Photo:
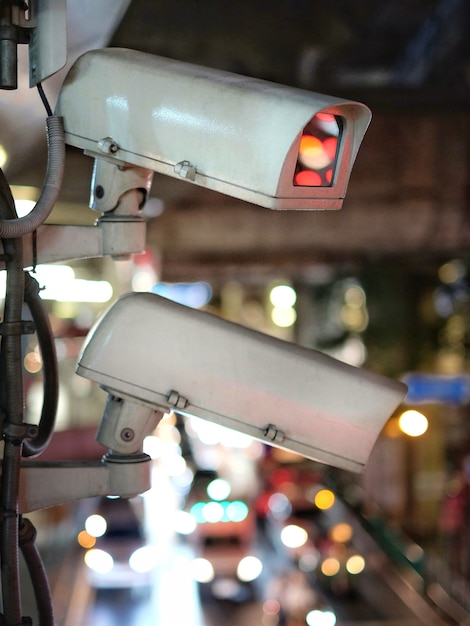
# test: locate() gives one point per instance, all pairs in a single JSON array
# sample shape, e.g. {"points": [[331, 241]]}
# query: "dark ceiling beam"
{"points": [[228, 239]]}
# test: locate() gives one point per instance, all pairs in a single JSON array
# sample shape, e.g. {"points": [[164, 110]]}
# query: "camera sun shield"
{"points": [[272, 145]]}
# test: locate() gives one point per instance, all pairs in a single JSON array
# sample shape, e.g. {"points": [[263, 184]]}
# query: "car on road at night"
{"points": [[117, 554]]}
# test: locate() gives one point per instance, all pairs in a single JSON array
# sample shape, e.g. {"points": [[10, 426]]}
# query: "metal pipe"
{"points": [[8, 50], [13, 409]]}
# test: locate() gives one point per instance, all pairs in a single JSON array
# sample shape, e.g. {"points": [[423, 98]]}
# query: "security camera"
{"points": [[271, 145], [153, 355]]}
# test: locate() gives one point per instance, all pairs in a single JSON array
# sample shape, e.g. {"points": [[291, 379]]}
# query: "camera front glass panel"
{"points": [[318, 151]]}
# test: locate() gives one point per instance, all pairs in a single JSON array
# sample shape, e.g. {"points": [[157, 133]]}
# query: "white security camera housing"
{"points": [[271, 145], [153, 354]]}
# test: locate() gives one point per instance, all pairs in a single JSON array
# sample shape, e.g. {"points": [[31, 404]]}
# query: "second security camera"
{"points": [[153, 355], [271, 145]]}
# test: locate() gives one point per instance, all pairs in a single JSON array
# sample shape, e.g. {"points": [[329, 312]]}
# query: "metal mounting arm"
{"points": [[44, 484], [117, 237]]}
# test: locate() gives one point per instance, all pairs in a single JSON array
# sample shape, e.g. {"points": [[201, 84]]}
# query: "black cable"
{"points": [[37, 572], [44, 99], [33, 447]]}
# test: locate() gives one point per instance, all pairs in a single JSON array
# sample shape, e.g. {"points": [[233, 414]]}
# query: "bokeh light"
{"points": [[96, 525], [99, 561], [293, 536], [330, 566], [218, 489], [341, 532], [202, 570], [320, 618], [249, 568], [283, 296], [355, 564], [85, 540], [413, 423], [324, 499]]}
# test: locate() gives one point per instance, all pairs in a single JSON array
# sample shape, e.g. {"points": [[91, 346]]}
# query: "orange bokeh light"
{"points": [[86, 540]]}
